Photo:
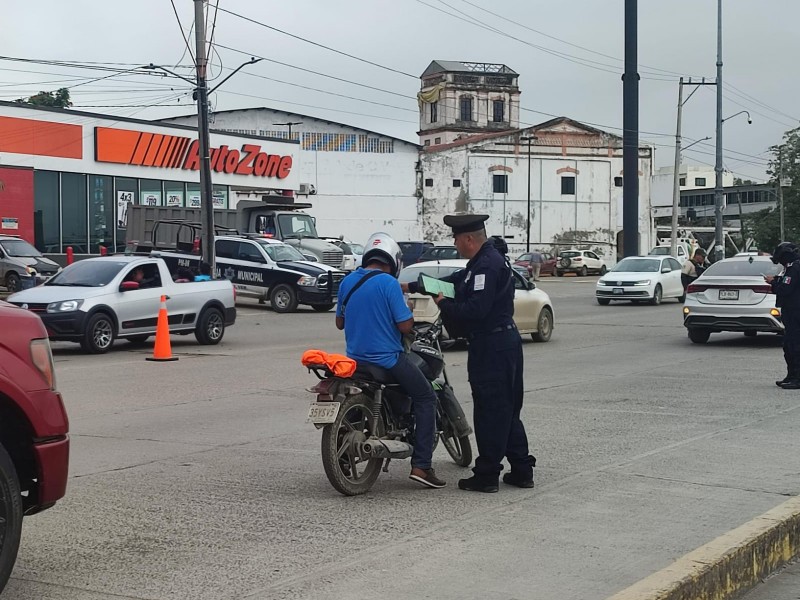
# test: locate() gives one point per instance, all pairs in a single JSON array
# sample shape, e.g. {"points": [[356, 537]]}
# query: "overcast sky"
{"points": [[676, 37]]}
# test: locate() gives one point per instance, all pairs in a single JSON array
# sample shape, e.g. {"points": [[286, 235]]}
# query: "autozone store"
{"points": [[67, 177]]}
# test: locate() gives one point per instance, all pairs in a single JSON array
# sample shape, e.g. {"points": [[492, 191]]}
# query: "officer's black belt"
{"points": [[500, 329]]}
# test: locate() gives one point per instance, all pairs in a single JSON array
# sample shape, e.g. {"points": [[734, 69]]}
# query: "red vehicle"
{"points": [[34, 445], [548, 263]]}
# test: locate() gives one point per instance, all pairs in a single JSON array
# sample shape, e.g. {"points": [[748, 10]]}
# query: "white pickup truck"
{"points": [[97, 300]]}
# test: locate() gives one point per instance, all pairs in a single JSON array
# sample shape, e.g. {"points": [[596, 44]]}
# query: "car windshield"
{"points": [[660, 251], [637, 265], [438, 271], [743, 268], [88, 273], [570, 254], [20, 248], [357, 248], [280, 252], [295, 226]]}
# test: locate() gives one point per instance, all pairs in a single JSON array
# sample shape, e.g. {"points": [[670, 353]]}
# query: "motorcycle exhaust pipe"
{"points": [[376, 448]]}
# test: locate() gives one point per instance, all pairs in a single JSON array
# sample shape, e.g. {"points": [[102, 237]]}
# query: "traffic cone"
{"points": [[162, 350]]}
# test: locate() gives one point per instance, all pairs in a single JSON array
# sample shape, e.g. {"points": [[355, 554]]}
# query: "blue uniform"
{"points": [[787, 297], [483, 311]]}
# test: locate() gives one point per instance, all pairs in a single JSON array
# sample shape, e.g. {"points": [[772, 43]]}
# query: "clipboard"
{"points": [[434, 287]]}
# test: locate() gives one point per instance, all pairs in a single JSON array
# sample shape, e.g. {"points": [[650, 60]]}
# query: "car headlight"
{"points": [[30, 271], [65, 306], [307, 281], [643, 282]]}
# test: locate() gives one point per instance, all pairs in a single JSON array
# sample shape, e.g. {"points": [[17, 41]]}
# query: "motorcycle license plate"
{"points": [[323, 412]]}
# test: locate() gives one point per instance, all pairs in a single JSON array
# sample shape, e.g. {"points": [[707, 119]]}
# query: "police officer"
{"points": [[786, 288], [482, 311]]}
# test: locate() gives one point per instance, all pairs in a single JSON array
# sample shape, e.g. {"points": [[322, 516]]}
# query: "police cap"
{"points": [[465, 223]]}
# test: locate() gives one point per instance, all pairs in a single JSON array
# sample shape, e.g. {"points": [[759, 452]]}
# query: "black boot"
{"points": [[793, 382], [789, 371]]}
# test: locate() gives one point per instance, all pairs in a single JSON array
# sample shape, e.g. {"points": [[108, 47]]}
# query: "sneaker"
{"points": [[427, 477], [512, 479], [473, 484]]}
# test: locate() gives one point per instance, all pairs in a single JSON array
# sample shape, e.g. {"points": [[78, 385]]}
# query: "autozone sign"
{"points": [[141, 148]]}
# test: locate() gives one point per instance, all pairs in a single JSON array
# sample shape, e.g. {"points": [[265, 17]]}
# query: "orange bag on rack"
{"points": [[338, 364]]}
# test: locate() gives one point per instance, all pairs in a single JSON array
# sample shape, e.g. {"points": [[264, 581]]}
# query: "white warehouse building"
{"points": [[357, 181]]}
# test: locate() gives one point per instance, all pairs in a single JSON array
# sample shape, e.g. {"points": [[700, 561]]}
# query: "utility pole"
{"points": [[719, 241], [206, 189], [630, 135], [676, 182], [780, 188]]}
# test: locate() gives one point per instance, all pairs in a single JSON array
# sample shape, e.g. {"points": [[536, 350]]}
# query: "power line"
{"points": [[313, 43], [183, 34], [563, 41], [757, 101]]}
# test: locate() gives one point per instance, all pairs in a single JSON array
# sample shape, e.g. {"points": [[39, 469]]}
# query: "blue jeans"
{"points": [[423, 399]]}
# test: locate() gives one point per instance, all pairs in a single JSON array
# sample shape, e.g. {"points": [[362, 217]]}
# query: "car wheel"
{"points": [[322, 307], [210, 327], [583, 272], [283, 299], [603, 270], [10, 516], [603, 301], [544, 326], [98, 337], [13, 283], [699, 336], [682, 298], [656, 299], [750, 333]]}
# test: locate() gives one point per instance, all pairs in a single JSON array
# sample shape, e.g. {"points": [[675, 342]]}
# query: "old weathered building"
{"points": [[564, 187]]}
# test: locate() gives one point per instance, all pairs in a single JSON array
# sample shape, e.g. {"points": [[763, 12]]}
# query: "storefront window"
{"points": [[151, 192], [193, 195], [101, 213], [127, 192], [74, 222], [174, 193], [220, 196], [46, 231]]}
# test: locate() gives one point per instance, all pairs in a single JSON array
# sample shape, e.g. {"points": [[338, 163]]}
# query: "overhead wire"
{"points": [[183, 34]]}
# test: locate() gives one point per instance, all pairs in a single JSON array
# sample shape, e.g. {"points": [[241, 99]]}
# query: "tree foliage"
{"points": [[57, 99], [764, 226]]}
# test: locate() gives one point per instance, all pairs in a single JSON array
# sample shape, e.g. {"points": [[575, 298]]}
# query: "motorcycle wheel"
{"points": [[348, 473], [459, 448]]}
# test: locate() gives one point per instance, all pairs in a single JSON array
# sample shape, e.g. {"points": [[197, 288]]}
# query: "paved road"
{"points": [[200, 479]]}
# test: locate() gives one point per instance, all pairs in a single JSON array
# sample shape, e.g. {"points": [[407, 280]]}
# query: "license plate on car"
{"points": [[618, 291], [729, 294], [323, 412]]}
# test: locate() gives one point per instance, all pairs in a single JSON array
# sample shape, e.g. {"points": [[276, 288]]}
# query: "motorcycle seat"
{"points": [[374, 373]]}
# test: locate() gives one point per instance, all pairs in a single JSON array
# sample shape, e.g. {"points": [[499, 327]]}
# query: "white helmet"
{"points": [[381, 247]]}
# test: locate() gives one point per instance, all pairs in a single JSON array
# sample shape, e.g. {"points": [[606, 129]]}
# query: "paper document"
{"points": [[434, 287]]}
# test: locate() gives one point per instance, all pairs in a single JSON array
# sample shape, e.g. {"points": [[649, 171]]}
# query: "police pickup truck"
{"points": [[267, 269]]}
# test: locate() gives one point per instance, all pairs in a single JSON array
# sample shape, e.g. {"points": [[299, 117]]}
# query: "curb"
{"points": [[732, 563]]}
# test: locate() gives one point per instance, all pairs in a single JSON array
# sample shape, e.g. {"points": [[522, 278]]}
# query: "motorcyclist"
{"points": [[374, 316], [786, 288]]}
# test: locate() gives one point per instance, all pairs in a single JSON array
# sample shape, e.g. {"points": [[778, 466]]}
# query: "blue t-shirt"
{"points": [[370, 318]]}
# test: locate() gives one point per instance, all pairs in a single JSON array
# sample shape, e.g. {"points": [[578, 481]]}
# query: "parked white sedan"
{"points": [[533, 310], [642, 279]]}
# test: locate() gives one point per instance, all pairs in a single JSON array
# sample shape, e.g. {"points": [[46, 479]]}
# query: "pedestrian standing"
{"points": [[482, 311], [536, 265], [786, 288]]}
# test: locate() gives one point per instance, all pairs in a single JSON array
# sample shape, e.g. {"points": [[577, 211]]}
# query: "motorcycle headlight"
{"points": [[643, 282], [65, 306], [307, 281]]}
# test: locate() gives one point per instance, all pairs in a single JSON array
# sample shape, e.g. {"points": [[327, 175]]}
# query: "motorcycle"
{"points": [[367, 421]]}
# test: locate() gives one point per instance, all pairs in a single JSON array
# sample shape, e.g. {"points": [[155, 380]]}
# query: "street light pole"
{"points": [[780, 188], [289, 124], [676, 188], [529, 139], [719, 242]]}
